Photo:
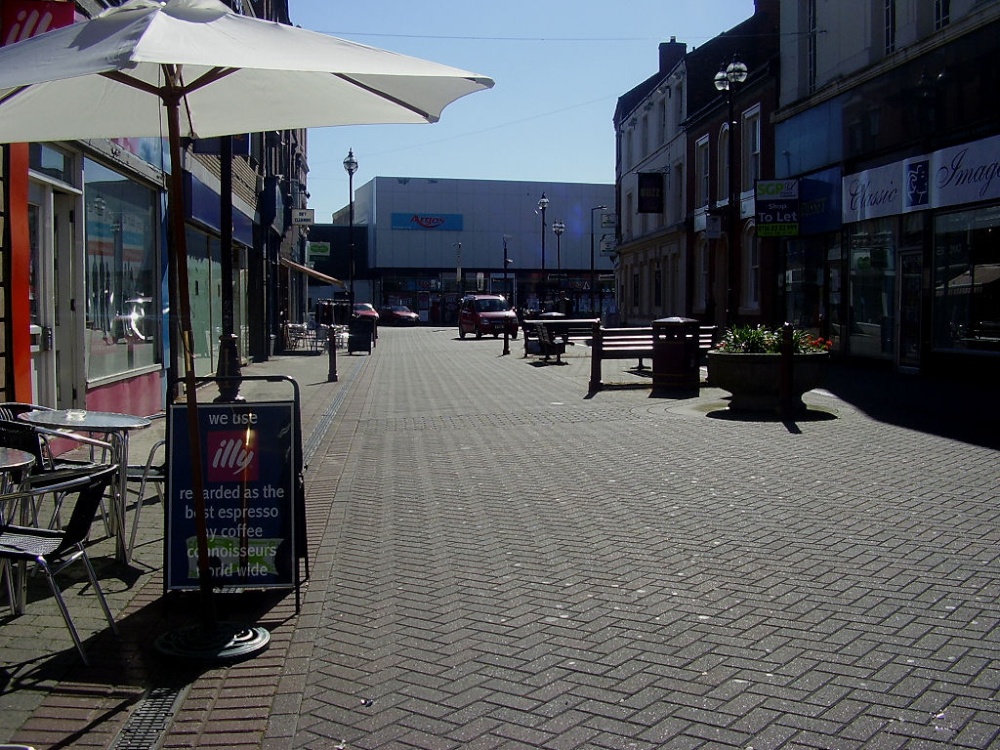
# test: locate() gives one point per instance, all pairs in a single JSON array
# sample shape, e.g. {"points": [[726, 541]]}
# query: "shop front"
{"points": [[923, 263]]}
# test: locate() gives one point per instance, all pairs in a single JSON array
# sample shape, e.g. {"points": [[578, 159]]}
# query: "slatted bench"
{"points": [[565, 331], [632, 343]]}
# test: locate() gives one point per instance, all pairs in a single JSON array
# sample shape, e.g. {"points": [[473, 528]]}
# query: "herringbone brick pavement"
{"points": [[514, 565]]}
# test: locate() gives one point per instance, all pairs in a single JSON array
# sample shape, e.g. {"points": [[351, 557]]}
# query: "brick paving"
{"points": [[498, 560]]}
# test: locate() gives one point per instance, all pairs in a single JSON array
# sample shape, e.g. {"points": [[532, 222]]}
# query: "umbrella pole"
{"points": [[211, 640]]}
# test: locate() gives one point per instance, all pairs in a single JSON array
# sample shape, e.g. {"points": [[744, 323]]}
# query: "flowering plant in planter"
{"points": [[758, 339], [748, 364]]}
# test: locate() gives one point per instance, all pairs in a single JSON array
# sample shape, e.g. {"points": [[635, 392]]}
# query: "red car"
{"points": [[398, 315], [486, 314], [365, 310]]}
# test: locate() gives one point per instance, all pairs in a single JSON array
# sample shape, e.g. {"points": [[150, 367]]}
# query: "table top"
{"points": [[12, 458], [89, 421]]}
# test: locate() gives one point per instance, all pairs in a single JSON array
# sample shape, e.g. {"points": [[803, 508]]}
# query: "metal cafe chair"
{"points": [[54, 550], [153, 471], [47, 469]]}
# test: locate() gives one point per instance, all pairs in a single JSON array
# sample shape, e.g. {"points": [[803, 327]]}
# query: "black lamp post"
{"points": [[543, 203], [726, 80], [351, 165], [593, 278]]}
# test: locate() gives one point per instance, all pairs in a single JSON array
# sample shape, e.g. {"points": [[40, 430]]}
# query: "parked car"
{"points": [[398, 315], [366, 310], [484, 314]]}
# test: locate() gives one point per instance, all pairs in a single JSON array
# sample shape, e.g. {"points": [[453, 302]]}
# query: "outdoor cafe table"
{"points": [[13, 460], [117, 428]]}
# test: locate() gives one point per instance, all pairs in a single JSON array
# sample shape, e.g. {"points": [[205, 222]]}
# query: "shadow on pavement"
{"points": [[935, 405]]}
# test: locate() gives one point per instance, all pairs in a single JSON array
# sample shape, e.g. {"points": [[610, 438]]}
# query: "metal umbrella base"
{"points": [[214, 642]]}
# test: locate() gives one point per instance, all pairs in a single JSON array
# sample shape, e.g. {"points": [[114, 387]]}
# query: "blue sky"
{"points": [[559, 68]]}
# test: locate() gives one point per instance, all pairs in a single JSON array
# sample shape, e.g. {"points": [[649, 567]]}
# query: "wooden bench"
{"points": [[632, 343], [566, 331]]}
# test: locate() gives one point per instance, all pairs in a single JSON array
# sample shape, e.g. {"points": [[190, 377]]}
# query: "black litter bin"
{"points": [[675, 353], [360, 332]]}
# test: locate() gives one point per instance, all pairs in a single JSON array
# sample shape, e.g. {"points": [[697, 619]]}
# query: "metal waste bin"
{"points": [[360, 332], [675, 353]]}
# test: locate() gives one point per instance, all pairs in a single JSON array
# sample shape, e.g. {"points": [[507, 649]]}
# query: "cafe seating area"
{"points": [[298, 337], [60, 471]]}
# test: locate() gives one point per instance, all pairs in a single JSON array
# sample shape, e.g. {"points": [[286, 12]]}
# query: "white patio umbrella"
{"points": [[194, 69]]}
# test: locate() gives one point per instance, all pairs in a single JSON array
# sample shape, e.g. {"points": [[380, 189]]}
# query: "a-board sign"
{"points": [[249, 470]]}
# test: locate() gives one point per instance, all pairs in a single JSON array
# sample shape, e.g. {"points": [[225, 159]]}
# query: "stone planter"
{"points": [[755, 379]]}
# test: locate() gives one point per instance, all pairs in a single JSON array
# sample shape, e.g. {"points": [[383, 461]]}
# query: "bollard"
{"points": [[506, 340], [785, 389], [331, 343]]}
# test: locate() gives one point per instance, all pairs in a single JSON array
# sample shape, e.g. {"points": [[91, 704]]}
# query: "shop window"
{"points": [[873, 287], [122, 275], [657, 287], [966, 307], [701, 277]]}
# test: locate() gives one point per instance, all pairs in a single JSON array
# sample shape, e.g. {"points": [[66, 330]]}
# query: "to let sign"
{"points": [[777, 208]]}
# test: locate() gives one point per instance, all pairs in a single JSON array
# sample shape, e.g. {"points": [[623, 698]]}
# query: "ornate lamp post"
{"points": [[351, 165], [593, 278], [506, 262], [543, 203], [725, 81]]}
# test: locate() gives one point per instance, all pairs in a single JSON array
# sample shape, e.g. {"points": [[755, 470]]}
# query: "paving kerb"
{"points": [[523, 566]]}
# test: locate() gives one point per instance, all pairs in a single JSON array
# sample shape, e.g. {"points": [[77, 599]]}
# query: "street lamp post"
{"points": [[558, 227], [543, 203], [593, 278], [351, 165], [725, 81], [458, 268]]}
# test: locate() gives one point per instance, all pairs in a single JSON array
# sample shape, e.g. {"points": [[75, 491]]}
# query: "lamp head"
{"points": [[350, 163], [543, 203], [558, 227]]}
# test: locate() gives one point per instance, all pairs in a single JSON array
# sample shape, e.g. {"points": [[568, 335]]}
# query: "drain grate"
{"points": [[144, 728]]}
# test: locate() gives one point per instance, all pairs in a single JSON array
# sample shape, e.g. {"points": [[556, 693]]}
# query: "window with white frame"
{"points": [[889, 13], [662, 113], [722, 164], [629, 152], [751, 148], [644, 136], [702, 167], [942, 14]]}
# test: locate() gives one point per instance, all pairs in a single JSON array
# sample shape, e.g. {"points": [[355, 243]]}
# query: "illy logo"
{"points": [[232, 456]]}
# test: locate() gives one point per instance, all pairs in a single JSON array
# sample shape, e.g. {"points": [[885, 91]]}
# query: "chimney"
{"points": [[671, 53]]}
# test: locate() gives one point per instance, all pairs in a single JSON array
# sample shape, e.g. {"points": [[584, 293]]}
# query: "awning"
{"points": [[312, 272]]}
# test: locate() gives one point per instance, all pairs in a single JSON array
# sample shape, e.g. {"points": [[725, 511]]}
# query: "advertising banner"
{"points": [[249, 496]]}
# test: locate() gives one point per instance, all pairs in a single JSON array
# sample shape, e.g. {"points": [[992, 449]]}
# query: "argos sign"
{"points": [[431, 222]]}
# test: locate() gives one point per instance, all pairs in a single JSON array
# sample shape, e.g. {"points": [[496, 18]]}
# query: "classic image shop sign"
{"points": [[777, 208], [249, 513]]}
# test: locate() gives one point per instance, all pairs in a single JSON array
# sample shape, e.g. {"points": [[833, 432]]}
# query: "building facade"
{"points": [[688, 158], [889, 122], [424, 242], [84, 247]]}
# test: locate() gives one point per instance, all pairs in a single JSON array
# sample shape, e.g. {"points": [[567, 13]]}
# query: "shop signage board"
{"points": [[776, 207], [253, 502]]}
